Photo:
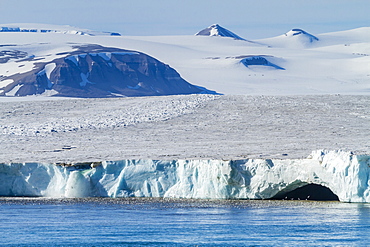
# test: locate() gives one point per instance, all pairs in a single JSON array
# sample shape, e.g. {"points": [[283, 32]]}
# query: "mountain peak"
{"points": [[217, 30], [301, 33]]}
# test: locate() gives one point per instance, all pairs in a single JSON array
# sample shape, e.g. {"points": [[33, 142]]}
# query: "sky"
{"points": [[250, 19]]}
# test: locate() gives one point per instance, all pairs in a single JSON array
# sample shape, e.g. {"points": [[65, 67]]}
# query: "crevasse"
{"points": [[345, 174]]}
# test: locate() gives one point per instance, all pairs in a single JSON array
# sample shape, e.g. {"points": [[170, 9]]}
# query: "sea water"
{"points": [[169, 222]]}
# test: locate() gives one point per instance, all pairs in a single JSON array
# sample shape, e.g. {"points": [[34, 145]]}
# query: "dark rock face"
{"points": [[5, 56], [95, 71], [258, 60]]}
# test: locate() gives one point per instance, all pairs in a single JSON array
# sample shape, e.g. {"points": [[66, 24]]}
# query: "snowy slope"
{"points": [[335, 63]]}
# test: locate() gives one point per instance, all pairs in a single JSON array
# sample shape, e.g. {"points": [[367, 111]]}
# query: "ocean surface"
{"points": [[170, 222]]}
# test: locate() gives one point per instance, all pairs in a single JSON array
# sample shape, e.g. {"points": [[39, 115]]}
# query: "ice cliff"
{"points": [[345, 174]]}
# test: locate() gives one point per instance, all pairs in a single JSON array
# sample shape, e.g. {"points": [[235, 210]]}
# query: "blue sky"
{"points": [[250, 19]]}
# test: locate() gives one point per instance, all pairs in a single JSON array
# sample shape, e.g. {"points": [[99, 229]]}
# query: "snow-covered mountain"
{"points": [[295, 39], [217, 30], [95, 71], [303, 35], [293, 63]]}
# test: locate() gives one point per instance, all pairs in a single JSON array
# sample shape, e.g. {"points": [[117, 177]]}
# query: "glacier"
{"points": [[344, 173]]}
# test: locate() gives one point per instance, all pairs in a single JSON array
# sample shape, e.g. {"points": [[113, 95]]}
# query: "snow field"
{"points": [[182, 127], [42, 118]]}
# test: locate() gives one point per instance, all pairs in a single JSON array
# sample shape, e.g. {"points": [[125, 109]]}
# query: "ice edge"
{"points": [[345, 174]]}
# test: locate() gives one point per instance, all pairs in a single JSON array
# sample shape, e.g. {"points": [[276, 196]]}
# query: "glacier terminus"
{"points": [[344, 173]]}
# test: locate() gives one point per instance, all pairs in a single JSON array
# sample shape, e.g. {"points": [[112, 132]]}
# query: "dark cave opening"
{"points": [[312, 192]]}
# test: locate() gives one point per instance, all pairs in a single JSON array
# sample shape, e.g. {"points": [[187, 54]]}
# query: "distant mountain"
{"points": [[46, 28], [294, 38], [94, 71], [217, 30], [302, 35]]}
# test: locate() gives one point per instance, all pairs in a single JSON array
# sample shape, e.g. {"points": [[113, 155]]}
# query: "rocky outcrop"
{"points": [[96, 71], [258, 61]]}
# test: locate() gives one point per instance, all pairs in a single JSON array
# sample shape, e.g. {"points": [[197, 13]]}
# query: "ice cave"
{"points": [[313, 192], [324, 175]]}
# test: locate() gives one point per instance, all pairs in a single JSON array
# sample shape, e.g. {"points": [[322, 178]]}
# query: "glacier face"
{"points": [[345, 174]]}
